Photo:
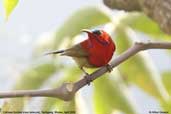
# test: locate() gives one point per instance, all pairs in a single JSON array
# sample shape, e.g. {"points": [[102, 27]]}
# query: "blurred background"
{"points": [[139, 85]]}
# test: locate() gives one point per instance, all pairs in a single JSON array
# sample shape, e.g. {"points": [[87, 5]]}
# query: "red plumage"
{"points": [[96, 51], [100, 48]]}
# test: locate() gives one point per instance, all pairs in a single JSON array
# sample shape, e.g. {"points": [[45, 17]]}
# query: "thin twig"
{"points": [[67, 90]]}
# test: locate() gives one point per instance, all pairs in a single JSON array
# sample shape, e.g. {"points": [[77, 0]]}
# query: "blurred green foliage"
{"points": [[109, 94], [84, 18], [166, 76], [136, 68], [34, 77], [140, 22]]}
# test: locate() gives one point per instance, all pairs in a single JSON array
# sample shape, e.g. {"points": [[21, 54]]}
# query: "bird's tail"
{"points": [[54, 52]]}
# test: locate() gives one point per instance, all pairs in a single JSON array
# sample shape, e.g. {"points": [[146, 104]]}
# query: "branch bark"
{"points": [[67, 90], [158, 10]]}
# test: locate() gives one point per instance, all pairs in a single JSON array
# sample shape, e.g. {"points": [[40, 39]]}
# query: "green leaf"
{"points": [[141, 22], [110, 95], [9, 6], [166, 76], [166, 106]]}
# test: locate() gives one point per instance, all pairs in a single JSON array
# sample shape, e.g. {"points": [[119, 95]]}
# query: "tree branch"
{"points": [[67, 90], [158, 10], [128, 5]]}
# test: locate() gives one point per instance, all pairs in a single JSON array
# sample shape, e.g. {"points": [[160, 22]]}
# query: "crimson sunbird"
{"points": [[96, 51]]}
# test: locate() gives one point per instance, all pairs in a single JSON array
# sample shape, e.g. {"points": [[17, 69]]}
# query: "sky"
{"points": [[29, 20]]}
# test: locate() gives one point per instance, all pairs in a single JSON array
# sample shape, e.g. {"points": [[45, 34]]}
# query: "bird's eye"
{"points": [[97, 32]]}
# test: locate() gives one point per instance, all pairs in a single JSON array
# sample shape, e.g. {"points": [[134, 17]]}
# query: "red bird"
{"points": [[94, 52]]}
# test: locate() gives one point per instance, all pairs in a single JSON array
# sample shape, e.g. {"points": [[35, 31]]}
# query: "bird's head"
{"points": [[100, 36]]}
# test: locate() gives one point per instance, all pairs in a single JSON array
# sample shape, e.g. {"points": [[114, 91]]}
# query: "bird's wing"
{"points": [[75, 51]]}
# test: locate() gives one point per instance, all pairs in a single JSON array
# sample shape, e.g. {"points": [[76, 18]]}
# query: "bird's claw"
{"points": [[109, 67], [88, 79]]}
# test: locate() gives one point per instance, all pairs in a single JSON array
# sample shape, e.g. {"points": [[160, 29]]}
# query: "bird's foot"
{"points": [[88, 79], [109, 68], [87, 76]]}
